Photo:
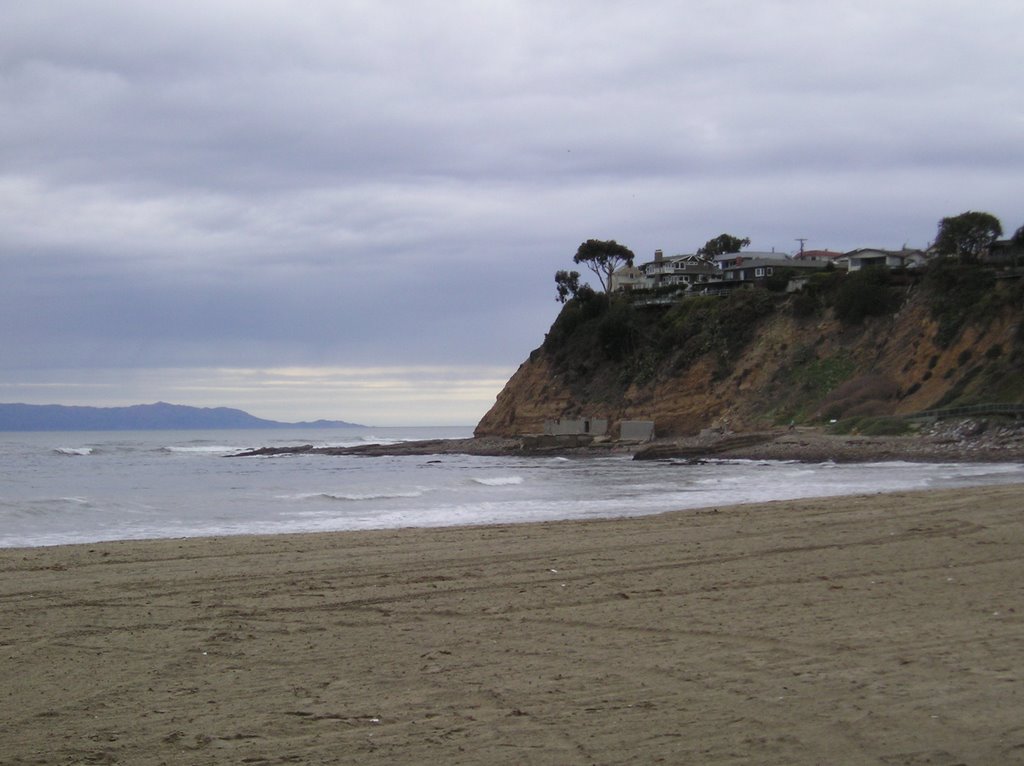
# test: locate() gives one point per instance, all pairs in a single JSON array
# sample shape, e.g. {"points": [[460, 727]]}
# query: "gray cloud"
{"points": [[224, 183]]}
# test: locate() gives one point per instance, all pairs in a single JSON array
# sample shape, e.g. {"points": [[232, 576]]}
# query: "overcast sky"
{"points": [[354, 210]]}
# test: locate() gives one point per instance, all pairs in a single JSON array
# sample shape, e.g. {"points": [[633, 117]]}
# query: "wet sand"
{"points": [[882, 629]]}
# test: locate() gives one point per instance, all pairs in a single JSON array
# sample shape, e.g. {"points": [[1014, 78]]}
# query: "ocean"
{"points": [[82, 487]]}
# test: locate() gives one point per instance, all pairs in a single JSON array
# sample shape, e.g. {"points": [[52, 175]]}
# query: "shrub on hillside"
{"points": [[617, 330], [863, 395], [872, 426], [585, 307], [954, 292], [863, 294], [710, 324], [804, 303]]}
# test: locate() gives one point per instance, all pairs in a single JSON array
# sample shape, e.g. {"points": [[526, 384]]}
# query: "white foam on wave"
{"points": [[74, 451], [204, 449], [355, 441], [355, 496], [500, 481]]}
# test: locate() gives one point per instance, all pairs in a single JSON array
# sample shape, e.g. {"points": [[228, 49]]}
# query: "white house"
{"points": [[630, 278], [826, 256], [890, 259]]}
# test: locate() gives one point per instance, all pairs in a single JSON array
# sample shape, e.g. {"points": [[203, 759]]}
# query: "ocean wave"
{"points": [[357, 496], [205, 449], [500, 481], [74, 451]]}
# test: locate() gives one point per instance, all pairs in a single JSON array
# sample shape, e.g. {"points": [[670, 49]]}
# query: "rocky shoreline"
{"points": [[959, 441]]}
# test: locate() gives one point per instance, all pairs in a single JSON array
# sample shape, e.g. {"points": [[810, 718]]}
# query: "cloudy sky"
{"points": [[353, 210]]}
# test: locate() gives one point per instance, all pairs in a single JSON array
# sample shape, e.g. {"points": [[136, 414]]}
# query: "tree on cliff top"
{"points": [[567, 285], [603, 258], [968, 235], [722, 244]]}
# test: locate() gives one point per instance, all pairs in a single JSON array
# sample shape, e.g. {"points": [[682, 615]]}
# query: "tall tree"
{"points": [[968, 235], [722, 244], [603, 258]]}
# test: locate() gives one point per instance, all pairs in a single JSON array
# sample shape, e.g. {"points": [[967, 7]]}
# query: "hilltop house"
{"points": [[630, 278], [685, 271], [693, 273], [756, 270], [827, 256], [729, 260], [891, 259], [1004, 252]]}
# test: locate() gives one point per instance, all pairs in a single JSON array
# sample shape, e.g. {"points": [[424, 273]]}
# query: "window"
{"points": [[759, 272]]}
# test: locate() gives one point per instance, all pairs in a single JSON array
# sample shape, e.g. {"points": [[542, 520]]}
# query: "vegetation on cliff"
{"points": [[872, 343]]}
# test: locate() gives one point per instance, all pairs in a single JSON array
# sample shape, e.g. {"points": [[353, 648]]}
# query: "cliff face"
{"points": [[775, 365]]}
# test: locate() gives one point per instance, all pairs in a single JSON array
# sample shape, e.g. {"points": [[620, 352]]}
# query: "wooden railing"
{"points": [[1017, 410]]}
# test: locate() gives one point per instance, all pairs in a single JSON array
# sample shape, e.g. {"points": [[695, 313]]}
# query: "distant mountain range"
{"points": [[140, 417]]}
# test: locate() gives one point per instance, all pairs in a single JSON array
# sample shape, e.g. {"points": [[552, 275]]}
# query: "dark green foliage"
{"points": [[593, 327], [968, 235], [722, 244], [722, 326], [567, 285], [817, 294], [582, 309], [779, 280], [805, 303], [863, 294], [617, 330], [603, 257], [956, 292]]}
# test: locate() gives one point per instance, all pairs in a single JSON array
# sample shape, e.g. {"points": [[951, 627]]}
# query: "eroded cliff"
{"points": [[756, 359]]}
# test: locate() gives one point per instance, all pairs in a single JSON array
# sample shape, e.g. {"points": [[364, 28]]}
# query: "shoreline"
{"points": [[879, 628], [960, 441]]}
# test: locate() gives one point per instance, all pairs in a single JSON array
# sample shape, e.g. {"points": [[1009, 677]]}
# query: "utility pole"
{"points": [[801, 240]]}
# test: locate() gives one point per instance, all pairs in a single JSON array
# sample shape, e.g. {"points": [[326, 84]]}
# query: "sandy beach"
{"points": [[880, 629]]}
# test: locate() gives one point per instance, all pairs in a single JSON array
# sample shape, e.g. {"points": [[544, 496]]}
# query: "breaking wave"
{"points": [[74, 451], [500, 481], [358, 496]]}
